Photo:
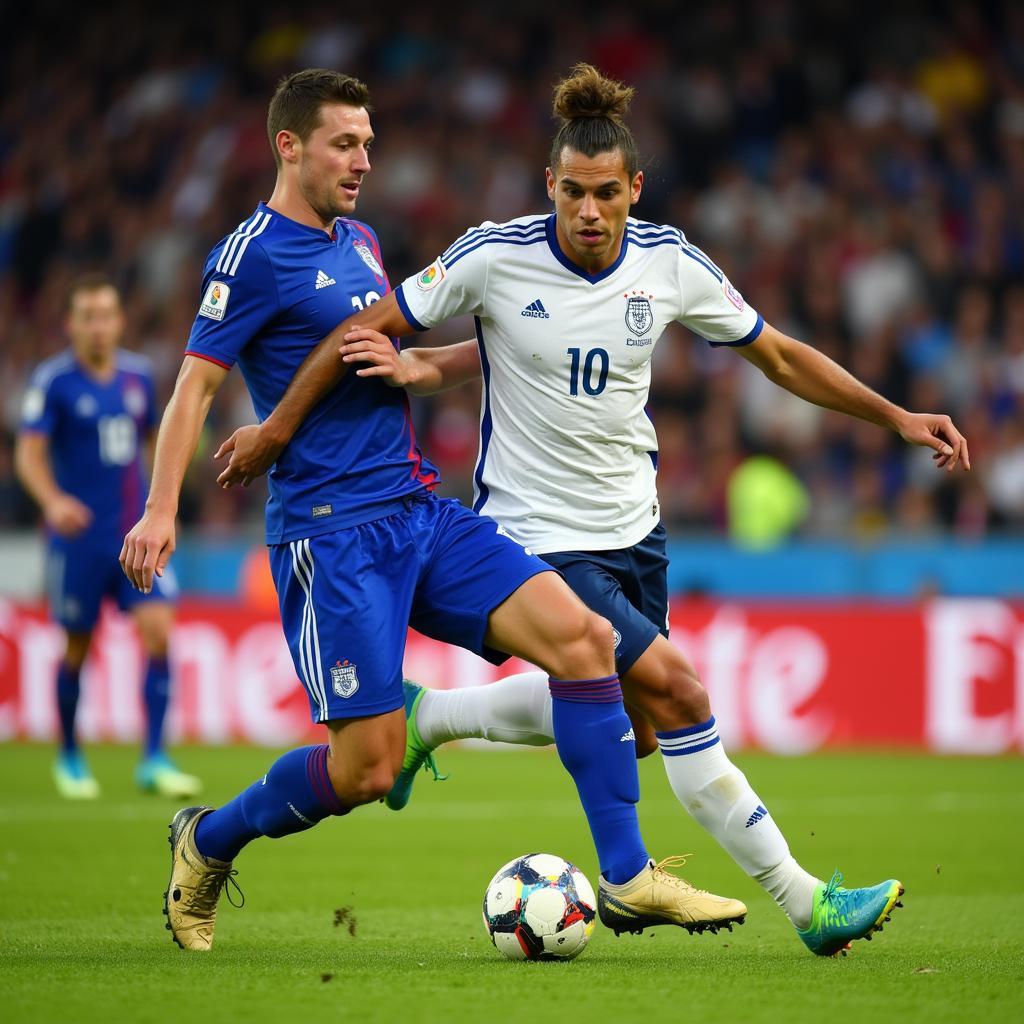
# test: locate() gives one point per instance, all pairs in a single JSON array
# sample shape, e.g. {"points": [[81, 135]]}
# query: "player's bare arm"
{"points": [[150, 542], [253, 449], [808, 373], [63, 512], [421, 371]]}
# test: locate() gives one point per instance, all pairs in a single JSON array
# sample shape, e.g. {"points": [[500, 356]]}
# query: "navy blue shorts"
{"points": [[80, 574], [347, 598], [628, 587]]}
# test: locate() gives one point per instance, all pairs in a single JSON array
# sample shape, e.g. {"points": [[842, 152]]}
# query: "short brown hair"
{"points": [[592, 111], [296, 103], [94, 281]]}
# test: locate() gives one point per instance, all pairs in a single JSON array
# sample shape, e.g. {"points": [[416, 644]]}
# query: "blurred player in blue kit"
{"points": [[360, 547], [88, 414], [568, 308]]}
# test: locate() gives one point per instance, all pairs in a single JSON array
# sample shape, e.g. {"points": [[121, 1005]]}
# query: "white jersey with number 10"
{"points": [[567, 452]]}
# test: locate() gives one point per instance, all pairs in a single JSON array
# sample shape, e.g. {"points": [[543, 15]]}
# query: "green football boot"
{"points": [[417, 753], [841, 916], [72, 777], [159, 774]]}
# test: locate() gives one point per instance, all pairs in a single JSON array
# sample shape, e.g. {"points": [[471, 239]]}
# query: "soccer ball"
{"points": [[539, 907]]}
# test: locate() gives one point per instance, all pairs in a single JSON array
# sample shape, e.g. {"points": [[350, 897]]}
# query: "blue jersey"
{"points": [[272, 290], [95, 430]]}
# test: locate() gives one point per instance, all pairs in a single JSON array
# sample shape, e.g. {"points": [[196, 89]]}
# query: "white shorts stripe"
{"points": [[317, 662], [304, 633]]}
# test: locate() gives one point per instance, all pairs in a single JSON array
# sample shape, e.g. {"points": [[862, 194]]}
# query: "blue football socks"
{"points": [[67, 705], [595, 742], [293, 796], [155, 692]]}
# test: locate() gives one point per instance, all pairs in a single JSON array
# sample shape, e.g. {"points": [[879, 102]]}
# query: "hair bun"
{"points": [[587, 93]]}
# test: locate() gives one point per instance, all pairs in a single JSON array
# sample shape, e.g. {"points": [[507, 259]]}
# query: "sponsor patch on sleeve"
{"points": [[430, 277], [731, 294], [215, 301]]}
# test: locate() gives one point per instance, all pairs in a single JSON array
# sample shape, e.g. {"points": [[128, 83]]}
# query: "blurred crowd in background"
{"points": [[856, 168]]}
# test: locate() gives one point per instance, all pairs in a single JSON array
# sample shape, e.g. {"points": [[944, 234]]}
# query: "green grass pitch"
{"points": [[82, 937]]}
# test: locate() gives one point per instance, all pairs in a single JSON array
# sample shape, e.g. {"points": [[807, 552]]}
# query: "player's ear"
{"points": [[288, 146], [636, 187], [549, 177]]}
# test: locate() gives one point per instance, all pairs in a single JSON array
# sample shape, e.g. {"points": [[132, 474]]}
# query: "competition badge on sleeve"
{"points": [[215, 301], [430, 277]]}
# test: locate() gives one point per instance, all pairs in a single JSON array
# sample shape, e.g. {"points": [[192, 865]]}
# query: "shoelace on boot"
{"points": [[208, 890], [675, 861]]}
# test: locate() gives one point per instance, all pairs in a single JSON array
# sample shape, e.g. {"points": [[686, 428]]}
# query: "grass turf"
{"points": [[82, 935]]}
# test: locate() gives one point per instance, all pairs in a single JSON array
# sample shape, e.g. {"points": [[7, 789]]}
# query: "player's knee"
{"points": [[596, 640], [687, 699], [76, 651], [372, 782], [671, 695]]}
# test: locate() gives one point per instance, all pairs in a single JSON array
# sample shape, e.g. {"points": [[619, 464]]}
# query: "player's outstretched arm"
{"points": [[813, 376], [63, 512], [421, 371], [149, 544], [252, 450]]}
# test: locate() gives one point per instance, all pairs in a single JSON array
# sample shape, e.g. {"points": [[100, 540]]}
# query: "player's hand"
{"points": [[147, 549], [365, 346], [67, 516], [937, 432], [251, 453]]}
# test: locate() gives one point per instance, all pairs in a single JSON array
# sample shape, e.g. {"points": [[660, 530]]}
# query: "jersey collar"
{"points": [[329, 239], [556, 251]]}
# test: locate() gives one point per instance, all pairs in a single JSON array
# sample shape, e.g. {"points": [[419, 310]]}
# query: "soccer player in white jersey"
{"points": [[568, 308]]}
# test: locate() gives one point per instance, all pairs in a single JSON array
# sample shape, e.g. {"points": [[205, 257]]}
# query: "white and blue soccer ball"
{"points": [[540, 907]]}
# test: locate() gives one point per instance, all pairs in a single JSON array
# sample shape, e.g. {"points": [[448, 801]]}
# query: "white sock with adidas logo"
{"points": [[516, 709], [718, 795]]}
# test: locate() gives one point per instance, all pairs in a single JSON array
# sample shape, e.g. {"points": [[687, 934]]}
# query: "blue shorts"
{"points": [[80, 574], [347, 598], [628, 587]]}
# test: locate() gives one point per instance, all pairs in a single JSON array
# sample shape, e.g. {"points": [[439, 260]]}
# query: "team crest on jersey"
{"points": [[430, 277], [366, 255], [86, 406], [731, 294], [344, 679], [135, 400], [639, 314], [215, 301]]}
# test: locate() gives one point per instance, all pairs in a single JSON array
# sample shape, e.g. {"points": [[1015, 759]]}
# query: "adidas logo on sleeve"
{"points": [[536, 309], [323, 281]]}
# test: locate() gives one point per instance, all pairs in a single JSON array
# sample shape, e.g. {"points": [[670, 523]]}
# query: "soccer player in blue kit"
{"points": [[88, 414], [360, 547], [568, 308]]}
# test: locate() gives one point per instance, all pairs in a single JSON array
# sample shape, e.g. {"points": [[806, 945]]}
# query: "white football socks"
{"points": [[718, 795], [516, 709]]}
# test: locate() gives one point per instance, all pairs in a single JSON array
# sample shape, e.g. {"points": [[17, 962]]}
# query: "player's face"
{"points": [[592, 196], [95, 323], [334, 159]]}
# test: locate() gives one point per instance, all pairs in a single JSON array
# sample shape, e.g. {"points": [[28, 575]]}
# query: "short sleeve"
{"points": [[40, 405], [453, 285], [234, 307], [711, 307]]}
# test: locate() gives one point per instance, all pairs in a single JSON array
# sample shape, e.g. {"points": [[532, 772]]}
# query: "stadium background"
{"points": [[857, 169]]}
